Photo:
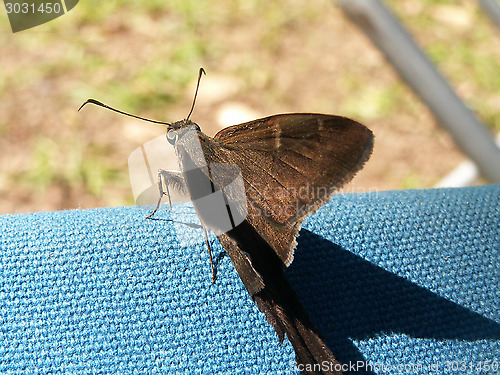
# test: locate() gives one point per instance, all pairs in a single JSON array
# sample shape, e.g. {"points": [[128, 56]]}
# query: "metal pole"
{"points": [[492, 9], [416, 69]]}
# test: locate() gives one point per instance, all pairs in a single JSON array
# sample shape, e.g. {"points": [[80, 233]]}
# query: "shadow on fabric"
{"points": [[355, 299]]}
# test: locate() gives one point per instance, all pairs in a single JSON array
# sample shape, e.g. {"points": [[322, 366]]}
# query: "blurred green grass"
{"points": [[288, 55]]}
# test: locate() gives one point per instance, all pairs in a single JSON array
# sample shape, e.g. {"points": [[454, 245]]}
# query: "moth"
{"points": [[290, 165]]}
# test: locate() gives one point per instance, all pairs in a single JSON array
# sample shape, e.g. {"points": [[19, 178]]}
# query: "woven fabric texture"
{"points": [[398, 282]]}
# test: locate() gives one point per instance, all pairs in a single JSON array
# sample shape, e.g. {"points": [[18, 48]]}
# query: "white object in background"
{"points": [[233, 113], [463, 175]]}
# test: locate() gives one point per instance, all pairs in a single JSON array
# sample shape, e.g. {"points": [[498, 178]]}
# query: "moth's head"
{"points": [[178, 129], [178, 125]]}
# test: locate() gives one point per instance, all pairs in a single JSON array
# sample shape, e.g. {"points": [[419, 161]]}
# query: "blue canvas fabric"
{"points": [[407, 281]]}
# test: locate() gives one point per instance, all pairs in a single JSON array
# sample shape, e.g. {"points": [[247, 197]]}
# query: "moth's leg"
{"points": [[209, 254], [166, 178]]}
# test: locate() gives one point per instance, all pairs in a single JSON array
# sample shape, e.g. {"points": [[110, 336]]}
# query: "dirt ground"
{"points": [[261, 58]]}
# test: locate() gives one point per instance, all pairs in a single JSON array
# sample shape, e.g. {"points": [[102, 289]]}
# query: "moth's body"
{"points": [[279, 154], [290, 165]]}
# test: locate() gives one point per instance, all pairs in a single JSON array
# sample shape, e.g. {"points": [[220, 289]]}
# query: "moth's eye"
{"points": [[197, 127], [171, 137]]}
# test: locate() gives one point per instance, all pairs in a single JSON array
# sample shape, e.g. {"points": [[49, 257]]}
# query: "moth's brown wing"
{"points": [[291, 164]]}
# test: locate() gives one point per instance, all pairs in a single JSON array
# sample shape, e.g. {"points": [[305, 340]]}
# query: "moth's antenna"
{"points": [[96, 102], [202, 71]]}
